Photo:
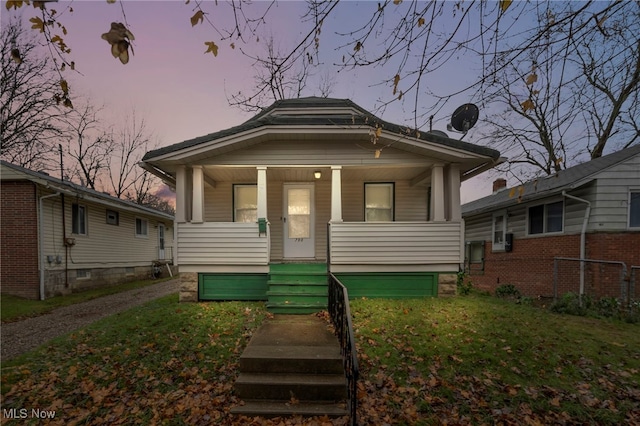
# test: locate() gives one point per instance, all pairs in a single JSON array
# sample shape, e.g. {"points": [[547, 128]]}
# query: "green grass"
{"points": [[480, 360], [161, 361], [13, 308], [464, 360]]}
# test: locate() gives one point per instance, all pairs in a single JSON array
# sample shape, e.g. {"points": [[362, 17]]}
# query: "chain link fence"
{"points": [[595, 278]]}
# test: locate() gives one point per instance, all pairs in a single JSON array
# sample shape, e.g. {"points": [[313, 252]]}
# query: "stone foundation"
{"points": [[188, 287], [447, 285]]}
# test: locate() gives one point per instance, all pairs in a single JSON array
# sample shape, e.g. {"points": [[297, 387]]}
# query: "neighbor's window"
{"points": [[499, 230], [378, 201], [142, 227], [245, 203], [113, 217], [634, 209], [474, 256], [79, 219], [83, 274], [546, 218]]}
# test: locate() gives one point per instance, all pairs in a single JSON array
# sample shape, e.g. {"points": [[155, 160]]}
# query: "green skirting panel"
{"points": [[390, 285], [232, 286]]}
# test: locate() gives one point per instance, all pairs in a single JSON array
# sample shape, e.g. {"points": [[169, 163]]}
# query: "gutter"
{"points": [[41, 240], [583, 232]]}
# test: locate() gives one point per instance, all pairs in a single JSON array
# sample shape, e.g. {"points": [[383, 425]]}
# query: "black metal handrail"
{"points": [[340, 313]]}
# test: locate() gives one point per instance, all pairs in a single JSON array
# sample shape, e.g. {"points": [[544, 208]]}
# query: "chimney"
{"points": [[499, 184]]}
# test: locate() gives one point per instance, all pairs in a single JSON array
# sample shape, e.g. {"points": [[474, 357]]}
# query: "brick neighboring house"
{"points": [[58, 237], [513, 235]]}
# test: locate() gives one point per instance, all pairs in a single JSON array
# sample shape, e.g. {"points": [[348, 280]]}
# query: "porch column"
{"points": [[181, 194], [262, 191], [437, 193], [453, 178], [198, 195], [336, 193]]}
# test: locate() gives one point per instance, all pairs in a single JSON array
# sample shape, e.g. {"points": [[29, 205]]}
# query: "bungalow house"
{"points": [[313, 185], [59, 237], [589, 211]]}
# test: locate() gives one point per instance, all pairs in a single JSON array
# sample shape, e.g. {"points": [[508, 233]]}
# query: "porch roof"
{"points": [[331, 115]]}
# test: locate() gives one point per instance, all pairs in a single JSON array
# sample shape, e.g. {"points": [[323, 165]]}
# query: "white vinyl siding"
{"points": [[221, 244], [610, 212], [106, 245], [407, 243]]}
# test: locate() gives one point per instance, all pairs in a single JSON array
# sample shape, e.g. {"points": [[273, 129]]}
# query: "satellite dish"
{"points": [[438, 133], [464, 117]]}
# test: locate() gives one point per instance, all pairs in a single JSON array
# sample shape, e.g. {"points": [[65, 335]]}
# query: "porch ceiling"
{"points": [[306, 174]]}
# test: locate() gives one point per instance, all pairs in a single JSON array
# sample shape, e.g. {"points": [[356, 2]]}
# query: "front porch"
{"points": [[226, 243]]}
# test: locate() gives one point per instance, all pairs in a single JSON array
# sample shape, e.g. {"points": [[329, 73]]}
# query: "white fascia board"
{"points": [[430, 146]]}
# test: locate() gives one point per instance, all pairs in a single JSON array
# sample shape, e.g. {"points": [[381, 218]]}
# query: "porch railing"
{"points": [[375, 243], [341, 318]]}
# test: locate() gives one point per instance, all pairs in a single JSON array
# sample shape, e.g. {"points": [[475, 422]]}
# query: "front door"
{"points": [[299, 238]]}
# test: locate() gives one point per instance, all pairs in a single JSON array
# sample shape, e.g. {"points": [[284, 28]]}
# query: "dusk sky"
{"points": [[182, 92]]}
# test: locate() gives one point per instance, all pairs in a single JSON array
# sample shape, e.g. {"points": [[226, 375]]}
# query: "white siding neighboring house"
{"points": [[318, 181], [58, 237], [590, 211]]}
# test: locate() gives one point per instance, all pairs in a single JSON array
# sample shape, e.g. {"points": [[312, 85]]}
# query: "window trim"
{"points": [[497, 247], [545, 218], [116, 215], [146, 228], [74, 219], [234, 195], [632, 190], [393, 199]]}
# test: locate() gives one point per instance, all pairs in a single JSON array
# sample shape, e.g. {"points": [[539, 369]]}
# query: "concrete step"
{"points": [[296, 308], [291, 359], [303, 387], [267, 408]]}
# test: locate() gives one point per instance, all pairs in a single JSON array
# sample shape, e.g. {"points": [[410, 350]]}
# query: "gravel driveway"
{"points": [[22, 336]]}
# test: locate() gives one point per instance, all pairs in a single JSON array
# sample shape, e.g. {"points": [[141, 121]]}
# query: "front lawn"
{"points": [[463, 360]]}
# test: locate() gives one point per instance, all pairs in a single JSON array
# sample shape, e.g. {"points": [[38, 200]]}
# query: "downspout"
{"points": [[41, 241], [583, 237]]}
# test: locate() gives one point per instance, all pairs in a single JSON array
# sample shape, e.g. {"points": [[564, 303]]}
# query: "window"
{"points": [[142, 226], [499, 231], [546, 218], [78, 219], [634, 209], [378, 200], [113, 217], [474, 256], [245, 203], [83, 274]]}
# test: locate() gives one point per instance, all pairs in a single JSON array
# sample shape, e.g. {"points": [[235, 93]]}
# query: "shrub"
{"points": [[507, 291], [464, 284]]}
